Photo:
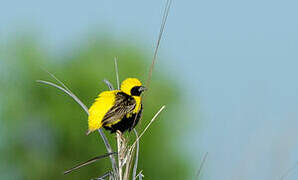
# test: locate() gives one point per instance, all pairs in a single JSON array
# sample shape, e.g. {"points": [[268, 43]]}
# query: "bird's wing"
{"points": [[123, 104]]}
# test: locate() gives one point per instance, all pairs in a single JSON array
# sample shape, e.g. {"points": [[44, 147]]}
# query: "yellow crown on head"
{"points": [[128, 84]]}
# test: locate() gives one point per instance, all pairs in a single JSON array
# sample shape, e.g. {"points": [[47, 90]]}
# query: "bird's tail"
{"points": [[91, 129], [88, 132]]}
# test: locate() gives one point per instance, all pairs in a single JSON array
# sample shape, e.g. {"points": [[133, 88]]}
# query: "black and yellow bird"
{"points": [[117, 109]]}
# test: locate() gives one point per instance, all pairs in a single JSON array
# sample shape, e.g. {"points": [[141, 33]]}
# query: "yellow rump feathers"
{"points": [[99, 108]]}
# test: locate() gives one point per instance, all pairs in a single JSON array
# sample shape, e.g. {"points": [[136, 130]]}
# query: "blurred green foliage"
{"points": [[42, 130]]}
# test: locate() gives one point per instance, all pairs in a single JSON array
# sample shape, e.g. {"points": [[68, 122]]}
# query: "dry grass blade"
{"points": [[162, 27], [103, 176], [90, 161], [140, 175], [110, 86], [129, 157], [201, 166], [120, 153], [154, 117], [135, 167], [117, 73], [67, 92], [72, 95], [110, 150], [53, 76]]}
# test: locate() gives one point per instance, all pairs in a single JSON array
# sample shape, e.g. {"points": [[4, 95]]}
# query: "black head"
{"points": [[137, 90]]}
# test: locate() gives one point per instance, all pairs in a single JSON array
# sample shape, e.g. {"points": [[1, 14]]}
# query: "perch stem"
{"points": [[135, 168]]}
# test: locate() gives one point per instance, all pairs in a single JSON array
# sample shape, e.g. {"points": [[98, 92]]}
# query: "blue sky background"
{"points": [[236, 59]]}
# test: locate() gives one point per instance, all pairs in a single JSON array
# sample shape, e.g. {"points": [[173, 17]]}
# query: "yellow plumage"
{"points": [[128, 84], [100, 107], [106, 101]]}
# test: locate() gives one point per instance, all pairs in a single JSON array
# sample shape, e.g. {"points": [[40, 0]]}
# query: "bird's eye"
{"points": [[137, 90]]}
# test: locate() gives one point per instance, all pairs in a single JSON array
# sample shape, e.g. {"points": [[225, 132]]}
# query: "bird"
{"points": [[117, 110]]}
